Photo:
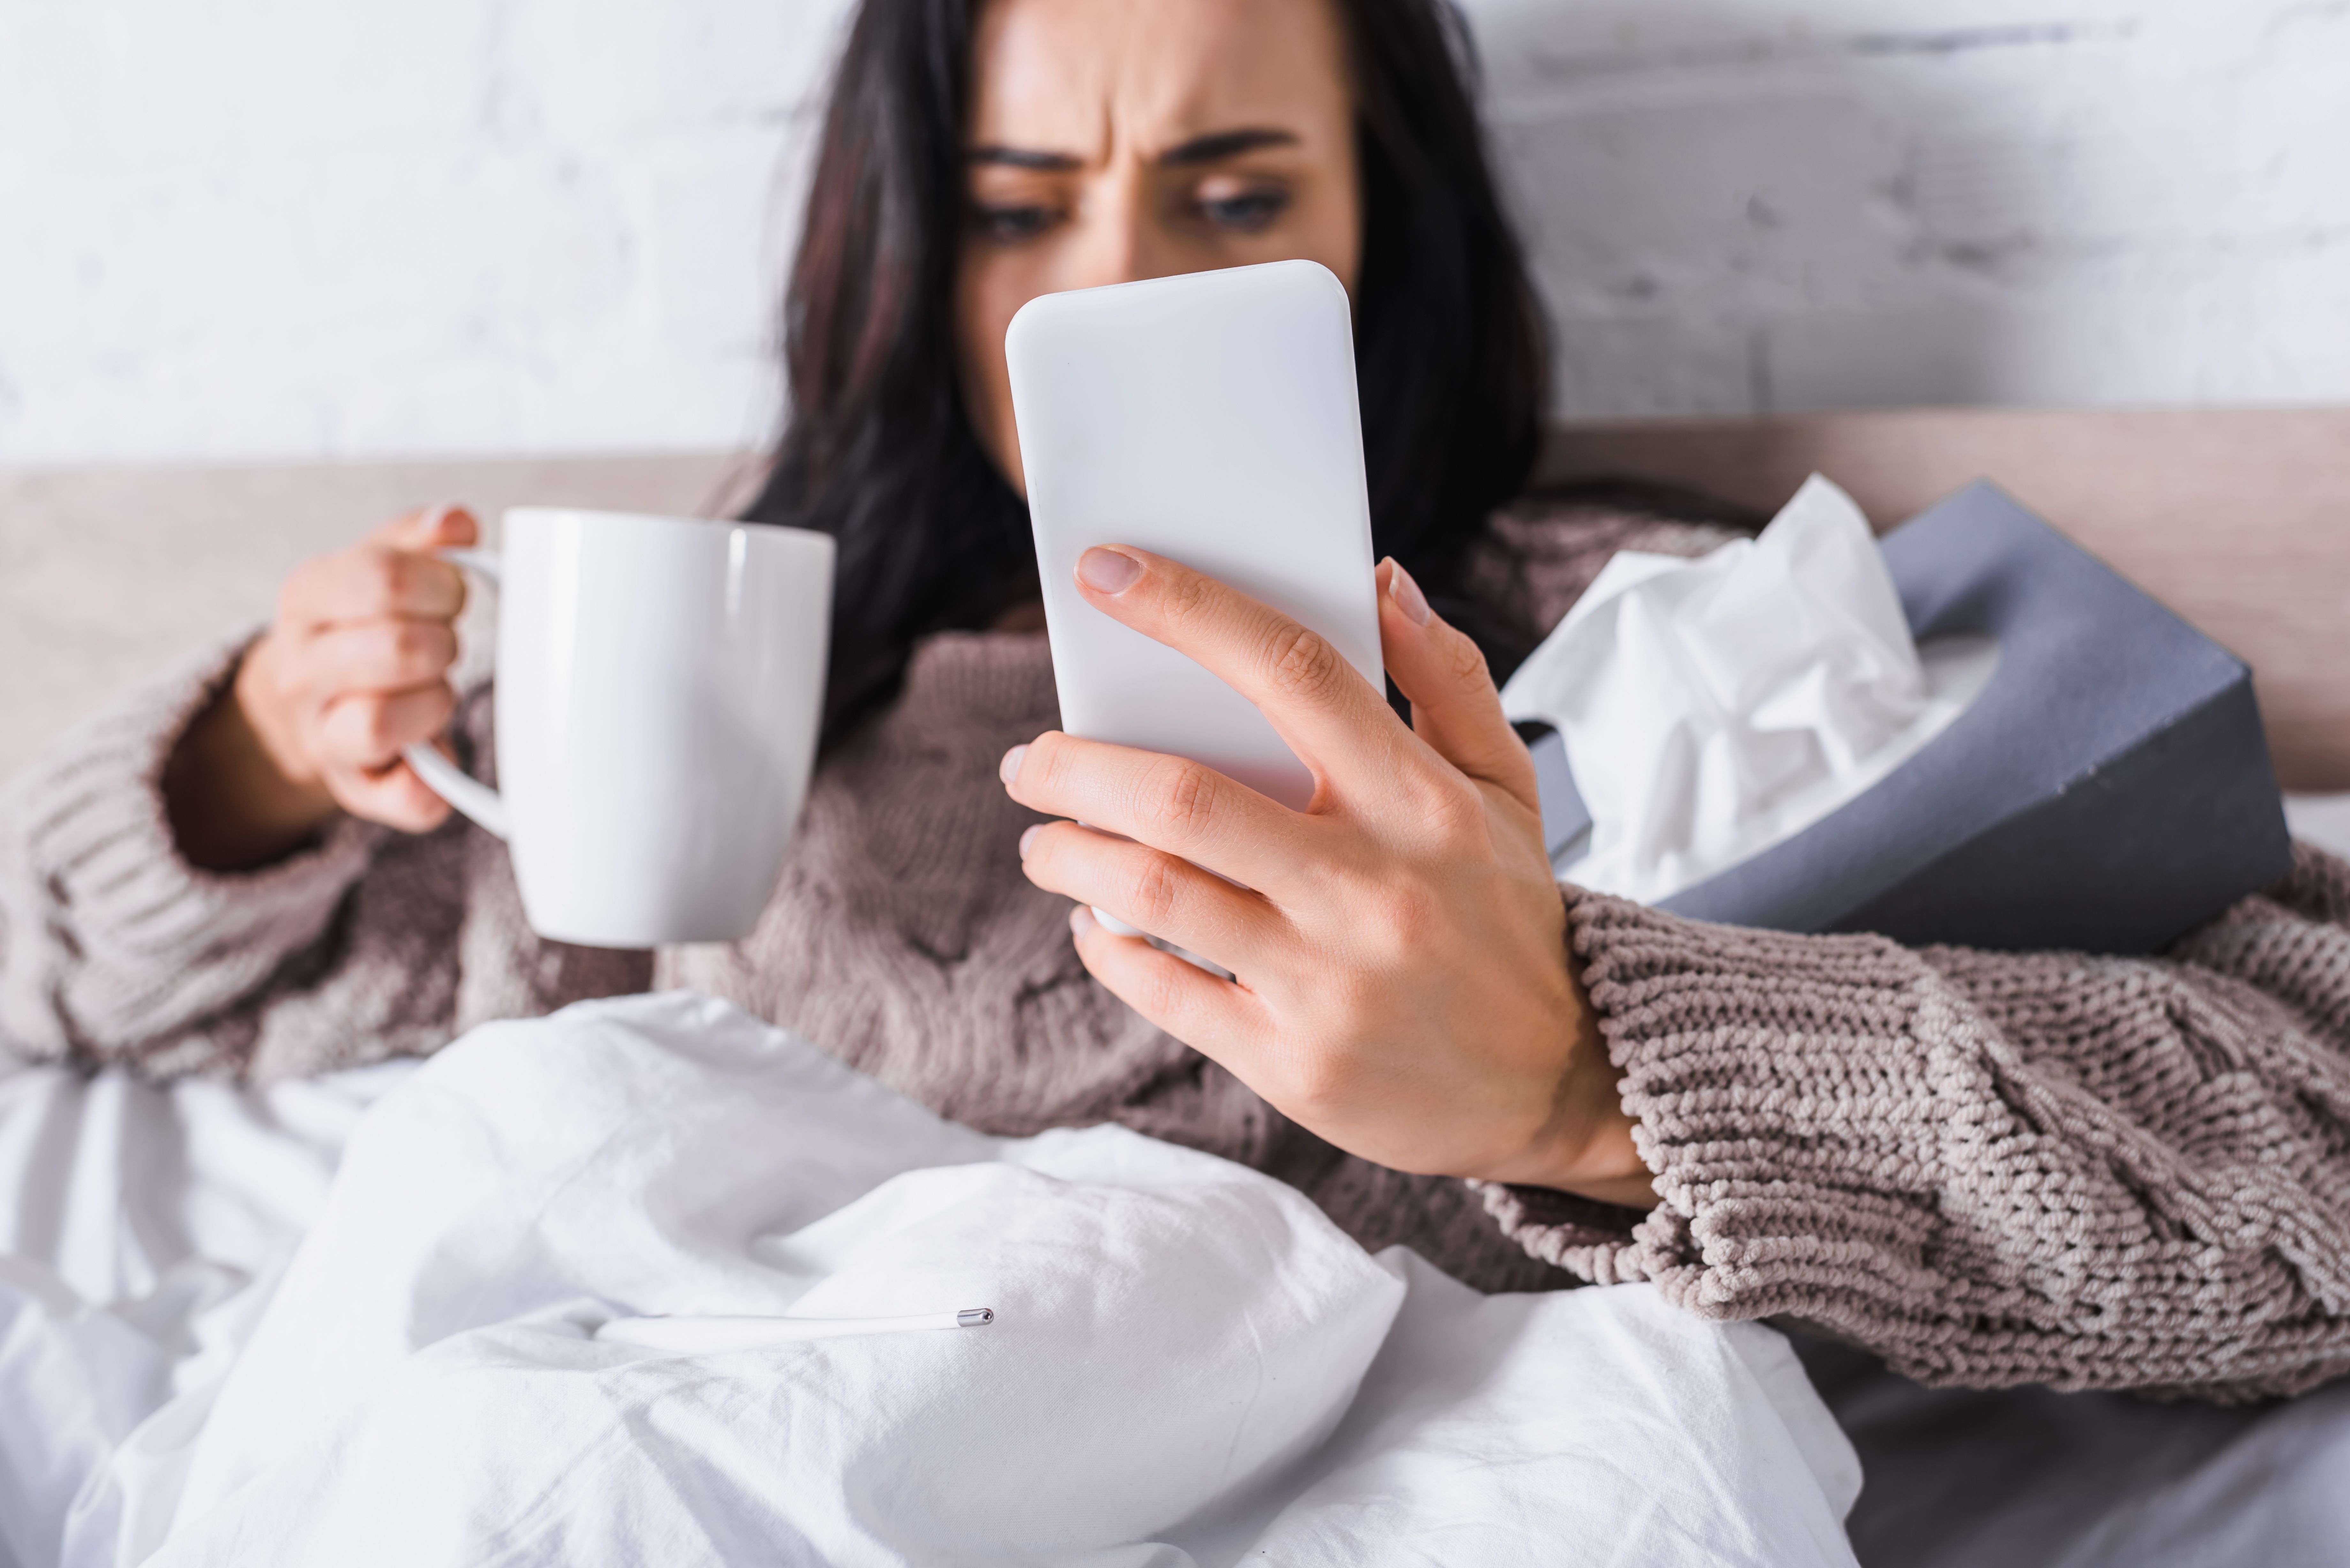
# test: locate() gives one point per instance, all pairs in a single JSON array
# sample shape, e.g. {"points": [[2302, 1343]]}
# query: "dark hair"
{"points": [[879, 451]]}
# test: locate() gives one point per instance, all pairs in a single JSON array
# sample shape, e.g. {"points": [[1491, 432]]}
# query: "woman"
{"points": [[1988, 1168]]}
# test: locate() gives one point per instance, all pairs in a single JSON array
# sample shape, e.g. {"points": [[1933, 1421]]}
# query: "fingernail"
{"points": [[1081, 920], [1405, 593], [1029, 837], [1108, 571], [1010, 767]]}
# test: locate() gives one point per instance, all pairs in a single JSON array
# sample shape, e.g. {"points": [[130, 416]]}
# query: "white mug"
{"points": [[659, 683]]}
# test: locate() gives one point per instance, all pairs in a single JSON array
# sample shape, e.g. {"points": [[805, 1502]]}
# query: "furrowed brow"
{"points": [[1222, 144]]}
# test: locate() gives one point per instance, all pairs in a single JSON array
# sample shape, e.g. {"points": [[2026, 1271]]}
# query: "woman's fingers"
{"points": [[1317, 701], [373, 582], [441, 527], [1403, 983], [367, 729], [1454, 705], [382, 655], [1214, 1017], [1168, 803], [1149, 890], [392, 795], [353, 670]]}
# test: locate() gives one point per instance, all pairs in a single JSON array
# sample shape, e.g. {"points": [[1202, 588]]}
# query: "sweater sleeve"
{"points": [[369, 944], [1989, 1167]]}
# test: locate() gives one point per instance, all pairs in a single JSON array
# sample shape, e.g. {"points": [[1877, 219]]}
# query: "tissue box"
{"points": [[2108, 790]]}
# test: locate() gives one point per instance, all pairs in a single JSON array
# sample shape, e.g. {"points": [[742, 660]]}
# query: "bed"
{"points": [[2239, 519]]}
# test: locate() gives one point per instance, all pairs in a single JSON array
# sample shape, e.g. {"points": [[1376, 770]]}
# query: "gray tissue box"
{"points": [[2108, 790]]}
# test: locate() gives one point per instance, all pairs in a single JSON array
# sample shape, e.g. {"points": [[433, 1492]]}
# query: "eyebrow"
{"points": [[1213, 147], [1222, 144], [1022, 158]]}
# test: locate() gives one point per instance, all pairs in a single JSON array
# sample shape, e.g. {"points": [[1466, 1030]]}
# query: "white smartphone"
{"points": [[1211, 418]]}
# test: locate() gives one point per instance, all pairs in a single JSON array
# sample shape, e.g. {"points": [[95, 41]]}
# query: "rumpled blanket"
{"points": [[1188, 1363]]}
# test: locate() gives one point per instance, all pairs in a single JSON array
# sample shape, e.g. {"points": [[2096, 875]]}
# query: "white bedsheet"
{"points": [[140, 1230], [1189, 1363]]}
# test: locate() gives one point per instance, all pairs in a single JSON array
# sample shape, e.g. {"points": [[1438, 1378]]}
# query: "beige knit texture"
{"points": [[371, 944], [1991, 1167], [1988, 1168]]}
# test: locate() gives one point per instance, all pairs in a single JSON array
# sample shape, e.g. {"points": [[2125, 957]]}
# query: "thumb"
{"points": [[1454, 706], [440, 527]]}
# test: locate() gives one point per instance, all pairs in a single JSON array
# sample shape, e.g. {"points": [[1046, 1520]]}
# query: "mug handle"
{"points": [[443, 777]]}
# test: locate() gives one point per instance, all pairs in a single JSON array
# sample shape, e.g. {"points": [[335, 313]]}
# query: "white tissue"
{"points": [[1713, 708]]}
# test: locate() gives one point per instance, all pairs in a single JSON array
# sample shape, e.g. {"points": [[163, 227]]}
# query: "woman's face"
{"points": [[1115, 140]]}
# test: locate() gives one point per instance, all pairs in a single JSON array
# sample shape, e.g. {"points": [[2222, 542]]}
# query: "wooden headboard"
{"points": [[2239, 519]]}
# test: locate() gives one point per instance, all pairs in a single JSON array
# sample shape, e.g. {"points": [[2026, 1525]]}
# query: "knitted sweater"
{"points": [[1988, 1168]]}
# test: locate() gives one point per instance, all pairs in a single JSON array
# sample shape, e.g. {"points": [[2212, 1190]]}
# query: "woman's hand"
{"points": [[355, 668], [1402, 982]]}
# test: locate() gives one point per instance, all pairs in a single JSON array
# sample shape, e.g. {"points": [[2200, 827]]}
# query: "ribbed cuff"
{"points": [[1774, 1099], [113, 935], [1988, 1168]]}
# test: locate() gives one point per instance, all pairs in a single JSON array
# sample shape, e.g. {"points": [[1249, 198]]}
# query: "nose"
{"points": [[1120, 238]]}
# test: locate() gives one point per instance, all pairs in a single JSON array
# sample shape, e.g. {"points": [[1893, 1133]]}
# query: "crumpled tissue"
{"points": [[1714, 708]]}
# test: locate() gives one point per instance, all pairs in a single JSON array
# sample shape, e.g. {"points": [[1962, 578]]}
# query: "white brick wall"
{"points": [[298, 228], [1745, 207], [279, 229]]}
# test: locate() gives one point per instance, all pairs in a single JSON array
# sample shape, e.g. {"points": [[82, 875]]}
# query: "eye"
{"points": [[1246, 213], [1011, 224]]}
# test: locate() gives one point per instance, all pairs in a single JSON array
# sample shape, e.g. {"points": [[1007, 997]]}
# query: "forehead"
{"points": [[1094, 77]]}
